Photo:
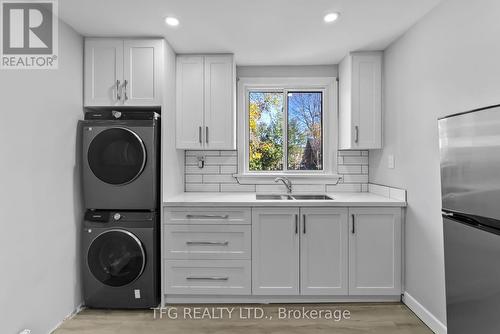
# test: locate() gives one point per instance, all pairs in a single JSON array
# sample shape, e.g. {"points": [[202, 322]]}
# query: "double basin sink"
{"points": [[272, 197]]}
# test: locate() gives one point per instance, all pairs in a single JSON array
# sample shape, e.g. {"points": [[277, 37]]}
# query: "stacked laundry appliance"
{"points": [[120, 237]]}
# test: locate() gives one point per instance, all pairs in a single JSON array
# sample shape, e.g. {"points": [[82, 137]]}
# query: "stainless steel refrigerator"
{"points": [[470, 184]]}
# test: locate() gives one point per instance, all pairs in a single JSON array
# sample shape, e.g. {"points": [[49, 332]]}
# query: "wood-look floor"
{"points": [[383, 318]]}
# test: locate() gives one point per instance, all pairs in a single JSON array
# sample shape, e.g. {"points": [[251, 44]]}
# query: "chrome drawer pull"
{"points": [[207, 216], [207, 243], [213, 278]]}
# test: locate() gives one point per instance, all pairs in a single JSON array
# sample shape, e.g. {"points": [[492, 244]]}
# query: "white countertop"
{"points": [[248, 199]]}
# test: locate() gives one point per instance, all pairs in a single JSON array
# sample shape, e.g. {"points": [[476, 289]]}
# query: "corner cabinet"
{"points": [[206, 102], [122, 72], [360, 101], [375, 251]]}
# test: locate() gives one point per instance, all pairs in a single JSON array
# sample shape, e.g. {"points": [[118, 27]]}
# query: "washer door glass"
{"points": [[117, 156], [116, 258]]}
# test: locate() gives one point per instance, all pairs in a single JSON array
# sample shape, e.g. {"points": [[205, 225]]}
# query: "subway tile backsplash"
{"points": [[217, 174]]}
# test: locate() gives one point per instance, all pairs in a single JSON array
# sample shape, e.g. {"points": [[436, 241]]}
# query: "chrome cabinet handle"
{"points": [[210, 278], [207, 216], [207, 243], [356, 134], [118, 96], [353, 230], [304, 227], [199, 134], [125, 96], [206, 134], [296, 224]]}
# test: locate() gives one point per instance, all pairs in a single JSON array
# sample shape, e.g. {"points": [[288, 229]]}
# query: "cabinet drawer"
{"points": [[205, 215], [207, 242], [221, 277]]}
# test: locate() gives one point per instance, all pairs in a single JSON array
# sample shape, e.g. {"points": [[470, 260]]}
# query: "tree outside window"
{"points": [[300, 146]]}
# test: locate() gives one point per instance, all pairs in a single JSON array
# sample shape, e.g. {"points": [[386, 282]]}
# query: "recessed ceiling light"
{"points": [[172, 21], [331, 17]]}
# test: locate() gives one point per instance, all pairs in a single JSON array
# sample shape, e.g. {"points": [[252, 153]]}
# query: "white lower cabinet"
{"points": [[207, 242], [286, 251], [375, 251], [275, 251], [323, 251], [207, 277], [299, 251], [206, 251]]}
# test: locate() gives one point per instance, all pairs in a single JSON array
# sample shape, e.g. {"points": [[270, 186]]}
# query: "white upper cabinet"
{"points": [[220, 122], [103, 71], [142, 71], [123, 72], [360, 101], [375, 251], [190, 102], [206, 113], [323, 251], [275, 251]]}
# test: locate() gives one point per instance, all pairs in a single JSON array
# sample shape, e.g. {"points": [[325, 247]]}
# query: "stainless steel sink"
{"points": [[312, 197], [269, 197], [273, 197]]}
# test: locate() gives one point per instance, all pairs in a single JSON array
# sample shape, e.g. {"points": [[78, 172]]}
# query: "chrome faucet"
{"points": [[286, 181]]}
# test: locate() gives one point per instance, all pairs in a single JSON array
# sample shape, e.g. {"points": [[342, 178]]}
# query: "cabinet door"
{"points": [[323, 251], [366, 100], [103, 71], [190, 102], [345, 114], [375, 251], [142, 62], [275, 251], [220, 120]]}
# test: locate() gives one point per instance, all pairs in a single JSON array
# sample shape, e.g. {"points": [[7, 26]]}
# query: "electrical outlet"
{"points": [[390, 161]]}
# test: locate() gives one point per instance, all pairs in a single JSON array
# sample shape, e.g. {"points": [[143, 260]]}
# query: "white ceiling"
{"points": [[258, 32]]}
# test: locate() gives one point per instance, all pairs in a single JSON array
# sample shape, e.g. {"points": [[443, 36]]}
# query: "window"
{"points": [[289, 126], [300, 147]]}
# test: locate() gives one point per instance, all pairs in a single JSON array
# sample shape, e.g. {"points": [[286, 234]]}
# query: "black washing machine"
{"points": [[120, 162], [120, 251]]}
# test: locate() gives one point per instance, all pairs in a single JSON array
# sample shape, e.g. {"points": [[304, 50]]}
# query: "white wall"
{"points": [[40, 206], [287, 71], [172, 159], [449, 62]]}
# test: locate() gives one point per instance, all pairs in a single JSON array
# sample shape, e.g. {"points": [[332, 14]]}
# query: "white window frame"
{"points": [[328, 86]]}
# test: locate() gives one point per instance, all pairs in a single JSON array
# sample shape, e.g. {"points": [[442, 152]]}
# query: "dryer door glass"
{"points": [[117, 156], [116, 258]]}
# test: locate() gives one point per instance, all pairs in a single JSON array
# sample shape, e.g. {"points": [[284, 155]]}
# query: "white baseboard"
{"points": [[69, 316], [427, 317]]}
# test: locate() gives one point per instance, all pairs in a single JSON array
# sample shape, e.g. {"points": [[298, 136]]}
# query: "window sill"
{"points": [[295, 178]]}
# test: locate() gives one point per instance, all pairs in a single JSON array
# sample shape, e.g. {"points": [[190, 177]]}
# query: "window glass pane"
{"points": [[266, 131], [305, 138]]}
